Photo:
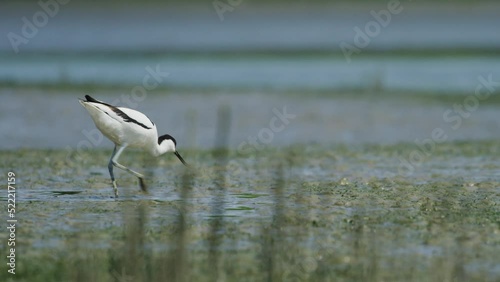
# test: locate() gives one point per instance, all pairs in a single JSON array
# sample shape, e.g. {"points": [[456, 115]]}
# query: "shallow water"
{"points": [[340, 212], [307, 26], [192, 44], [253, 72], [53, 118]]}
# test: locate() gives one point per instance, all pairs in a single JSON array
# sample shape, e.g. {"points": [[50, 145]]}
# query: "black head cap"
{"points": [[166, 137]]}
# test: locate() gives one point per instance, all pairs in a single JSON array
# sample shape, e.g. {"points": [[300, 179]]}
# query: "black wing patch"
{"points": [[126, 118], [117, 111]]}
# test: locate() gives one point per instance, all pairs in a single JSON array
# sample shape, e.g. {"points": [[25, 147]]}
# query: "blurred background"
{"points": [[352, 71]]}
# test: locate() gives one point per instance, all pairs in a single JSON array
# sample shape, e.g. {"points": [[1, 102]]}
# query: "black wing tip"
{"points": [[90, 99], [93, 100]]}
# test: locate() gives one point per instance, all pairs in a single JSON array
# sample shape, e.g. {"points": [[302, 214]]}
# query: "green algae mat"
{"points": [[297, 213]]}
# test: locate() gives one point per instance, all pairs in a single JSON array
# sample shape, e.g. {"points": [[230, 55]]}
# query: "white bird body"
{"points": [[112, 126], [128, 128]]}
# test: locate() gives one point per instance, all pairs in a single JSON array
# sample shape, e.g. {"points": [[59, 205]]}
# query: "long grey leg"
{"points": [[110, 168], [120, 166]]}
